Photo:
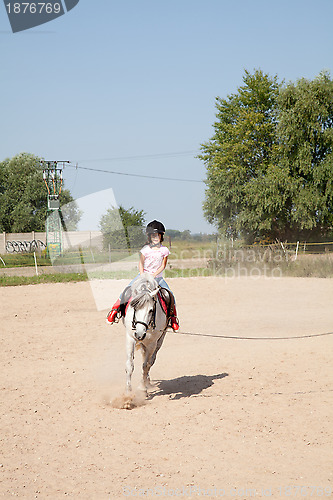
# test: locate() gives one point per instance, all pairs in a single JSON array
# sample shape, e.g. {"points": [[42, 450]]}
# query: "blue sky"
{"points": [[130, 86]]}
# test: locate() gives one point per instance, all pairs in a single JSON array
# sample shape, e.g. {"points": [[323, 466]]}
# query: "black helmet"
{"points": [[155, 227]]}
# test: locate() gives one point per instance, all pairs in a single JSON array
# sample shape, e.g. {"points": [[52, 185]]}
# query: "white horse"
{"points": [[146, 325]]}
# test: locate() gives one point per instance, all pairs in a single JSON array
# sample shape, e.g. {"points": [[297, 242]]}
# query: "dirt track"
{"points": [[230, 418]]}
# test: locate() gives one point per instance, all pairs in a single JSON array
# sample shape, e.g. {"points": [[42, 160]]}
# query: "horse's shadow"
{"points": [[184, 387]]}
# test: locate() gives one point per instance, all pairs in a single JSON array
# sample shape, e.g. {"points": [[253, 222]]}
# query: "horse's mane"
{"points": [[141, 289]]}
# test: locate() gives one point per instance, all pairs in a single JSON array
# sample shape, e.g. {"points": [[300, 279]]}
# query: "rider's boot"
{"points": [[174, 320], [111, 316]]}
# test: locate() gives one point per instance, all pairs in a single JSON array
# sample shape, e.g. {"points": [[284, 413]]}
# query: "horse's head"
{"points": [[144, 305]]}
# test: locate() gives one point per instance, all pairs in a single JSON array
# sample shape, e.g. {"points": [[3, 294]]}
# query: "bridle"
{"points": [[151, 323]]}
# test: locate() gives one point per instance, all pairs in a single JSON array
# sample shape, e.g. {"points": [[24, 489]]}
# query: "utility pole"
{"points": [[52, 175]]}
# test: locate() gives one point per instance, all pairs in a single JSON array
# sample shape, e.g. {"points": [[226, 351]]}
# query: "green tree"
{"points": [[123, 228], [239, 155], [305, 133], [23, 195], [269, 163], [185, 235], [173, 233]]}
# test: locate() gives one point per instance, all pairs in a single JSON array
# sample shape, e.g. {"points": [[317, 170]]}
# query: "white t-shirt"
{"points": [[154, 258]]}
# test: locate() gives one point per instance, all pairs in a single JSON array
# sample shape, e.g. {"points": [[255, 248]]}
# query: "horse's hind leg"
{"points": [[130, 344], [158, 347]]}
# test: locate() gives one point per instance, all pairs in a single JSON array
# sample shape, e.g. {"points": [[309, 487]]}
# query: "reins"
{"points": [[151, 323]]}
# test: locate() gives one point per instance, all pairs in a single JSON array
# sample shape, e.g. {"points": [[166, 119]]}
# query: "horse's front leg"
{"points": [[130, 345], [147, 363], [150, 360]]}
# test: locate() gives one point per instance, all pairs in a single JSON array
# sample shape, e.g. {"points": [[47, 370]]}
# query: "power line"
{"points": [[144, 157], [135, 175]]}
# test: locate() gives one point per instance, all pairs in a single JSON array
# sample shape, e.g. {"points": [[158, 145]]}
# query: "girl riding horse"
{"points": [[153, 260]]}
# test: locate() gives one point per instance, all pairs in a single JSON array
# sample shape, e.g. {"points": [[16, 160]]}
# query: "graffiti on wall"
{"points": [[24, 246]]}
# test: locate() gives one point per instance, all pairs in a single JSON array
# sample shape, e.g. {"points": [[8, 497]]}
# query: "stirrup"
{"points": [[116, 317], [174, 323]]}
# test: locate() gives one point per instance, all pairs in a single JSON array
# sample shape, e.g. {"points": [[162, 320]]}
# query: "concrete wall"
{"points": [[20, 242]]}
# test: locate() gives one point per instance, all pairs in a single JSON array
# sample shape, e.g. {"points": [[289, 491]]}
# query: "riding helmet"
{"points": [[155, 227]]}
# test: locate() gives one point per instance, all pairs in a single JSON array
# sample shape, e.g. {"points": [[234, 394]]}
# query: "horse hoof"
{"points": [[124, 402], [142, 390], [151, 387], [128, 405], [128, 402]]}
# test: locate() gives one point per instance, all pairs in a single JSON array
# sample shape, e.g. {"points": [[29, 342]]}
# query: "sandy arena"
{"points": [[242, 417]]}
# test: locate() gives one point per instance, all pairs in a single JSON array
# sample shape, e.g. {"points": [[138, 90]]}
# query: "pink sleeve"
{"points": [[144, 251], [166, 251]]}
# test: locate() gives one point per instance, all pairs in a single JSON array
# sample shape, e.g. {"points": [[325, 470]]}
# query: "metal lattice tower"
{"points": [[52, 175]]}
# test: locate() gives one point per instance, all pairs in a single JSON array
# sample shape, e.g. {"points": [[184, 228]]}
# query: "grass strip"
{"points": [[293, 269], [44, 278]]}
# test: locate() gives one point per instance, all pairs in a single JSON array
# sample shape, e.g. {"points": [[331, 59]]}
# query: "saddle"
{"points": [[167, 301], [124, 300], [165, 298]]}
